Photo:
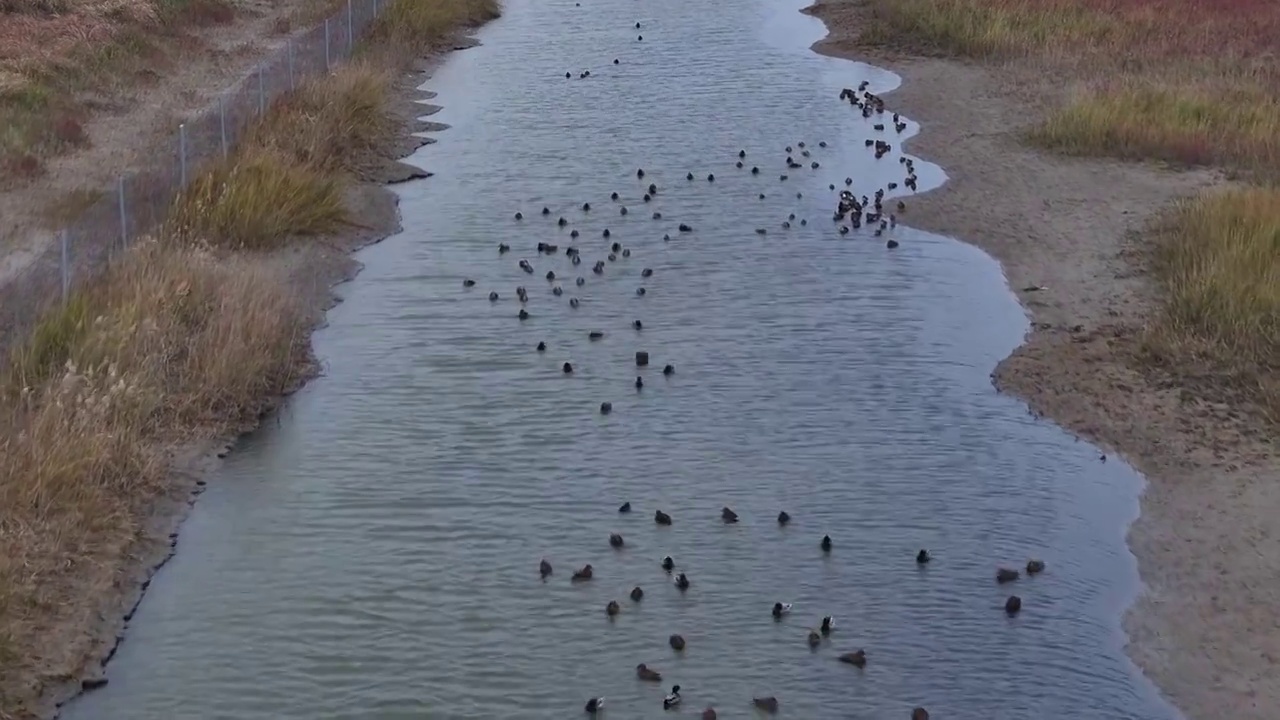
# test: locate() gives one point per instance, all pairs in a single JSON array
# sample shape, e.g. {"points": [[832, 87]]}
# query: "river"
{"points": [[373, 551]]}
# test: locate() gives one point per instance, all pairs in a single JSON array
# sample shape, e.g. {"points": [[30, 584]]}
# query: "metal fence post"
{"points": [[262, 94], [124, 222], [66, 264], [375, 8], [351, 31], [328, 64], [222, 119], [292, 87], [182, 153]]}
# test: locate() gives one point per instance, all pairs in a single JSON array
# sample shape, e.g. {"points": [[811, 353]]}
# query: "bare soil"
{"points": [[1208, 546]]}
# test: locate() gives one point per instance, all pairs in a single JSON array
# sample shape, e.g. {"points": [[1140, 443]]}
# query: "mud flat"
{"points": [[1069, 233]]}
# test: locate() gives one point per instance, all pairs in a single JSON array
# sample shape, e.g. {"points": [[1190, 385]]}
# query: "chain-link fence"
{"points": [[138, 202]]}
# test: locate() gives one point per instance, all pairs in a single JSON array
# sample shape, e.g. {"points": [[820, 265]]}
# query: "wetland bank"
{"points": [[374, 548]]}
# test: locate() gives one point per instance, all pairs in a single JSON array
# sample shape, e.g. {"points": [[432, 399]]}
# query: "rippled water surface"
{"points": [[374, 553]]}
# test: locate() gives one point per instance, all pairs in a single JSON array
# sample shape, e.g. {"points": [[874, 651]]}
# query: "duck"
{"points": [[682, 582], [542, 346], [814, 638], [625, 507], [551, 275], [653, 188], [688, 176], [612, 608], [922, 557], [685, 228], [637, 325], [586, 207], [661, 518], [637, 594], [822, 143], [640, 291], [728, 515], [919, 714], [544, 568], [581, 280], [595, 335], [1012, 605], [709, 714], [672, 699], [613, 195], [828, 624], [605, 232], [783, 518], [557, 291], [606, 408], [493, 296], [639, 382], [711, 177], [668, 370], [562, 222], [780, 609], [657, 216], [668, 564], [623, 210], [891, 244], [567, 368], [523, 314], [1004, 575], [583, 574], [573, 302], [767, 704], [626, 252], [526, 266], [1035, 567], [755, 170], [594, 705], [615, 540], [742, 153], [647, 272], [676, 642], [640, 173], [547, 210], [826, 543], [648, 675], [858, 658], [503, 248]]}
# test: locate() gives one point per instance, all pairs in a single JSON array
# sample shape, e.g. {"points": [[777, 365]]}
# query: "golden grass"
{"points": [[258, 200], [1216, 257], [187, 338], [424, 22]]}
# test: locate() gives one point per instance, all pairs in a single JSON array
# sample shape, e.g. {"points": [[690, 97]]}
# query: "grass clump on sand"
{"points": [[1217, 261], [186, 338], [288, 176], [424, 22], [1179, 81]]}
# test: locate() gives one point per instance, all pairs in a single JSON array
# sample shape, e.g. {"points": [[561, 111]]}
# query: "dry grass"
{"points": [[53, 51], [425, 22], [187, 338], [1188, 82], [170, 345]]}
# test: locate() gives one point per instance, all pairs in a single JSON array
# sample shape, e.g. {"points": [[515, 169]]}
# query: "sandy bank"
{"points": [[1207, 549], [99, 599]]}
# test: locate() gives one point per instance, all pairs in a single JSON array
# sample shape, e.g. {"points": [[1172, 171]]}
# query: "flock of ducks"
{"points": [[815, 636], [852, 212]]}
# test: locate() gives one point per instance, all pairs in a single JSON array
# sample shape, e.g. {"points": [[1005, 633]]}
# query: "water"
{"points": [[374, 553]]}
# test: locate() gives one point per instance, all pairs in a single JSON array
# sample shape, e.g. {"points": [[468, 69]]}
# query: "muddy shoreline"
{"points": [[1074, 229], [314, 269]]}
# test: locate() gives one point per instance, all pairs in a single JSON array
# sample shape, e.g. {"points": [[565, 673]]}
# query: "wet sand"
{"points": [[1204, 628]]}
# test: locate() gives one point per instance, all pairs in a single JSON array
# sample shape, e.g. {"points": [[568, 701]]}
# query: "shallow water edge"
{"points": [[826, 46], [317, 272]]}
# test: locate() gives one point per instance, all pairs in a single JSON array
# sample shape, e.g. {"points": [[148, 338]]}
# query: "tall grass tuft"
{"points": [[258, 200], [424, 22]]}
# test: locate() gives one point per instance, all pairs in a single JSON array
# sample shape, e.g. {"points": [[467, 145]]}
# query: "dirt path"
{"points": [[1207, 542], [127, 130]]}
